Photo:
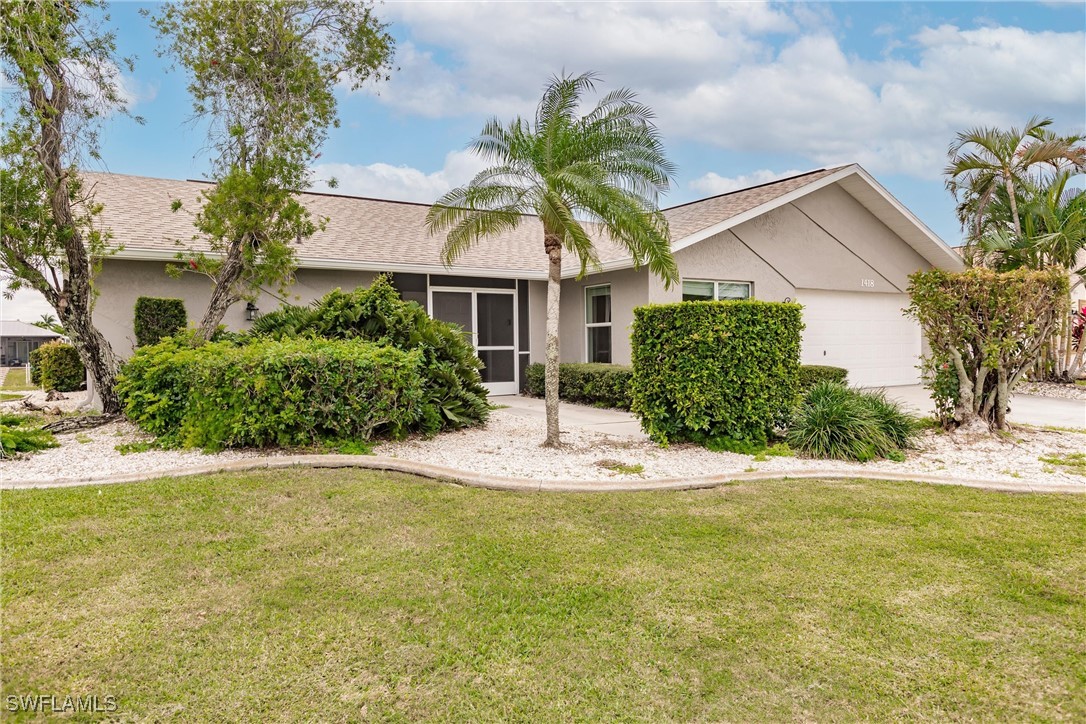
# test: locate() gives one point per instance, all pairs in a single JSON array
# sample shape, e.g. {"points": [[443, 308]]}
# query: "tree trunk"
{"points": [[1003, 401], [75, 300], [554, 291], [97, 356], [1009, 182], [222, 296]]}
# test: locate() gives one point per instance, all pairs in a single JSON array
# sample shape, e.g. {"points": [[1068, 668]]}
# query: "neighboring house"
{"points": [[19, 339], [833, 240]]}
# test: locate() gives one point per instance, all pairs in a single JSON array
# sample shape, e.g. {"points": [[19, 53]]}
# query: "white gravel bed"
{"points": [[1052, 389], [92, 453], [510, 446], [68, 404]]}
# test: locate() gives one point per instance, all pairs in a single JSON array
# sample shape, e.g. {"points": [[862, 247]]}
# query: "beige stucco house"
{"points": [[833, 240]]}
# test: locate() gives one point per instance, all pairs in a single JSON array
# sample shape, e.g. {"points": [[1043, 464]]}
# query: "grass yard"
{"points": [[340, 595], [15, 380]]}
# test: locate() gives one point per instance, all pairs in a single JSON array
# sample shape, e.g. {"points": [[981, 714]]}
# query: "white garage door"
{"points": [[866, 333]]}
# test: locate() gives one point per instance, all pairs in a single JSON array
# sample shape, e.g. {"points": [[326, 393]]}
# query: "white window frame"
{"points": [[591, 325], [716, 287]]}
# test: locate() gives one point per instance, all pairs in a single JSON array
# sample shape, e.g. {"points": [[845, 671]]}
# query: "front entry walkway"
{"points": [[1025, 409], [607, 421]]}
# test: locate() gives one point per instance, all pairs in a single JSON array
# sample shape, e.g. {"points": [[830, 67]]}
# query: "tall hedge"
{"points": [[454, 393], [715, 370], [268, 392], [56, 366], [158, 317]]}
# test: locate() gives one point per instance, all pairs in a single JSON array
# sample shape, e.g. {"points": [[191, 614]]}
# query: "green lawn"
{"points": [[339, 595], [15, 380]]}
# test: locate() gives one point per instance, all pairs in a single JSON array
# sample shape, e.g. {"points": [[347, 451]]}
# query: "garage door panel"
{"points": [[866, 333]]}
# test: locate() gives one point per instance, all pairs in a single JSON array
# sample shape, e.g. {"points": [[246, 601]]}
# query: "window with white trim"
{"points": [[696, 290], [597, 319]]}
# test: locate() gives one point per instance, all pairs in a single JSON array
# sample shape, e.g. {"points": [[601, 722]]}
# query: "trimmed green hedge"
{"points": [[713, 372], [811, 375], [157, 318], [56, 366], [589, 383], [283, 393]]}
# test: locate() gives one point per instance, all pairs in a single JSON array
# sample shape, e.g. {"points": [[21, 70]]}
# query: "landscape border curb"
{"points": [[524, 485]]}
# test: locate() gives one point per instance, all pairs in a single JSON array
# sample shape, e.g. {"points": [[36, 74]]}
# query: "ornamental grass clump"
{"points": [[837, 422]]}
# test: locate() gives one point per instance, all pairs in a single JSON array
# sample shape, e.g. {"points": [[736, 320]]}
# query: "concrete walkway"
{"points": [[1025, 409], [608, 422]]}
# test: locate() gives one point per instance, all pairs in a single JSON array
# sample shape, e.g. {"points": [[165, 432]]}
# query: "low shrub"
{"points": [[838, 422], [589, 383], [810, 375], [718, 373], [268, 392], [19, 434], [157, 318], [56, 366], [454, 395]]}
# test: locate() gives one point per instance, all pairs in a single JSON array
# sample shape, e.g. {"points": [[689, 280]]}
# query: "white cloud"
{"points": [[26, 305], [400, 183], [130, 91], [712, 184], [742, 76]]}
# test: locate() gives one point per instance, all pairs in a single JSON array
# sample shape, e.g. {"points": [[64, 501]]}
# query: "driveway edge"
{"points": [[494, 482]]}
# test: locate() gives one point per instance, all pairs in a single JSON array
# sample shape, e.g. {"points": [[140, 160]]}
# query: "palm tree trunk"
{"points": [[554, 292], [1009, 181]]}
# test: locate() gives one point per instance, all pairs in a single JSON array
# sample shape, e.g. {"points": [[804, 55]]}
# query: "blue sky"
{"points": [[745, 92]]}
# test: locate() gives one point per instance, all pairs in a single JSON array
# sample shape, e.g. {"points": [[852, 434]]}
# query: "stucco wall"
{"points": [[537, 313], [121, 282], [826, 240], [629, 288]]}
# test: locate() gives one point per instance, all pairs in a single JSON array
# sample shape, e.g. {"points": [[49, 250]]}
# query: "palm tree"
{"points": [[984, 161], [606, 168], [48, 321]]}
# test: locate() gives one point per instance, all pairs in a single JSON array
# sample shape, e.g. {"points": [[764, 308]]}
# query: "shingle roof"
{"points": [[15, 328], [379, 232]]}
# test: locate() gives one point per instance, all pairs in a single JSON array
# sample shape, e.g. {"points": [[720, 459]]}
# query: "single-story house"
{"points": [[833, 240], [19, 339]]}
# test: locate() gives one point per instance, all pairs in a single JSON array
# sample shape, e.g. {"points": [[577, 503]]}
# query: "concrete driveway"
{"points": [[1025, 409], [610, 422]]}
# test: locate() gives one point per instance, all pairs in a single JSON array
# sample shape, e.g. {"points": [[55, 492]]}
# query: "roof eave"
{"points": [[306, 262]]}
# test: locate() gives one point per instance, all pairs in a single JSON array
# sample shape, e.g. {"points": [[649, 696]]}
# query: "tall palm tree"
{"points": [[606, 168], [983, 161]]}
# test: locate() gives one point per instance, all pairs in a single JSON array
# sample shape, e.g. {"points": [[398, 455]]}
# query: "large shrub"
{"points": [[56, 366], [454, 395], [835, 421], [706, 371], [986, 330], [589, 383], [158, 317], [270, 392], [811, 375]]}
